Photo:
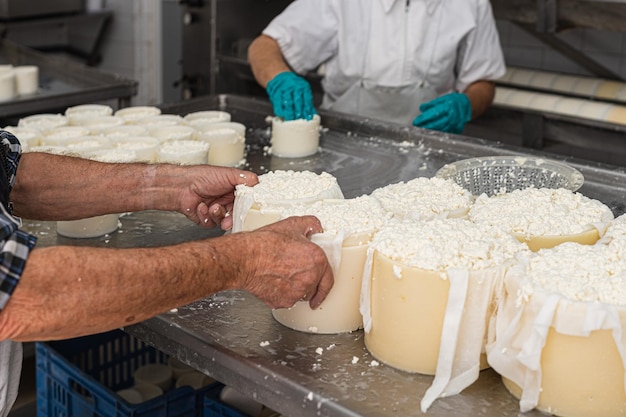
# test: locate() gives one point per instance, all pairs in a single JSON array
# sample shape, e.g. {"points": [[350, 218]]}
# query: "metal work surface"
{"points": [[233, 337], [62, 83]]}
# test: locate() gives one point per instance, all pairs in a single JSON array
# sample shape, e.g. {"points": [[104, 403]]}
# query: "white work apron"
{"points": [[399, 104], [10, 371]]}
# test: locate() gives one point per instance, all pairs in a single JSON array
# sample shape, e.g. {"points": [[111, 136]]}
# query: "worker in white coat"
{"points": [[430, 63]]}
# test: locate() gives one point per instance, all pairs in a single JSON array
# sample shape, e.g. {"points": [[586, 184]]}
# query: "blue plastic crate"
{"points": [[213, 407], [79, 377]]}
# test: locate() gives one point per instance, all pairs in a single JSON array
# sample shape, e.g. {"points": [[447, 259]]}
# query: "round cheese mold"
{"points": [[89, 227], [544, 218], [295, 138], [8, 88], [559, 339], [162, 120], [427, 295], [43, 122], [184, 152], [77, 114], [259, 205], [125, 131], [144, 147], [424, 198], [209, 116], [59, 135], [134, 114], [172, 132], [227, 143], [27, 136], [26, 79], [349, 225], [97, 125]]}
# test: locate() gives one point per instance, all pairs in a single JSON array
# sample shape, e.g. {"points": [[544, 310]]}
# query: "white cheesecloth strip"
{"points": [[242, 205], [331, 243], [530, 354], [365, 300], [449, 335]]}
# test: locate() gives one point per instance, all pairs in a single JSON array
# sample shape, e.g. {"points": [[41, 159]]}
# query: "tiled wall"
{"points": [[523, 50]]}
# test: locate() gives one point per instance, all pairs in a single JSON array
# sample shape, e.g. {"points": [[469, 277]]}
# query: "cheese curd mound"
{"points": [[541, 212], [579, 272], [277, 186], [362, 214], [440, 244], [261, 204], [424, 198]]}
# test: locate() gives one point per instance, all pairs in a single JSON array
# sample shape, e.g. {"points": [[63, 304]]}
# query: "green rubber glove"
{"points": [[291, 96], [447, 113]]}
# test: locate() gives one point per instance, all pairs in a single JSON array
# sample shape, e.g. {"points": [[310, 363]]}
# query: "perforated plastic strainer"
{"points": [[499, 174]]}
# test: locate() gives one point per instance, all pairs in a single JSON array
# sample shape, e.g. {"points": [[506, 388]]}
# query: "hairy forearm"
{"points": [[52, 187], [266, 59], [480, 94], [98, 289]]}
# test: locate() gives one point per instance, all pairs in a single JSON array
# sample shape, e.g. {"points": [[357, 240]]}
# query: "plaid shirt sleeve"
{"points": [[15, 244]]}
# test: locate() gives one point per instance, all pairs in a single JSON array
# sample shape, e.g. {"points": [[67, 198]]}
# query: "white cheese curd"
{"points": [[260, 205], [290, 186], [542, 212], [358, 215], [424, 198], [580, 272], [440, 244]]}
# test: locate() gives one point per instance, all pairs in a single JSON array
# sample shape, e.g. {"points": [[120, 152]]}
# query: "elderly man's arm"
{"points": [[53, 187], [71, 291]]}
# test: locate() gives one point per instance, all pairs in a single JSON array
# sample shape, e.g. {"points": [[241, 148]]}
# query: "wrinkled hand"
{"points": [[288, 267], [291, 96], [447, 113], [208, 199]]}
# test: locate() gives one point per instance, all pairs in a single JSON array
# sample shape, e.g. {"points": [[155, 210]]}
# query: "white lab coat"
{"points": [[424, 48]]}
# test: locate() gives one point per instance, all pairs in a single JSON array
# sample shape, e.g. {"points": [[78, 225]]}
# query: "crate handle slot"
{"points": [[81, 390]]}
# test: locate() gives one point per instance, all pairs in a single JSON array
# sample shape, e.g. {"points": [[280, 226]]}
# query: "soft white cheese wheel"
{"points": [[8, 86], [43, 122], [26, 79], [227, 140], [295, 138], [184, 152], [76, 114], [135, 113], [211, 116], [172, 132]]}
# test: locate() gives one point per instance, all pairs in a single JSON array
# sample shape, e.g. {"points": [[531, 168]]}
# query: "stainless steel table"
{"points": [[233, 337]]}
